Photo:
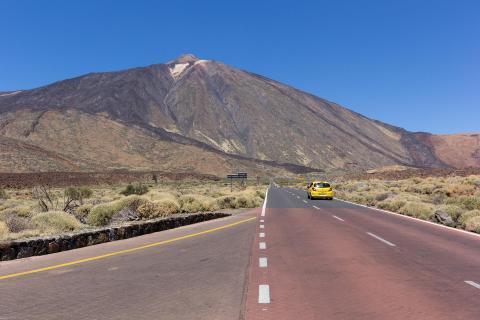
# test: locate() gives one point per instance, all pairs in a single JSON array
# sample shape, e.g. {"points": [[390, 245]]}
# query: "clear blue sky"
{"points": [[415, 64]]}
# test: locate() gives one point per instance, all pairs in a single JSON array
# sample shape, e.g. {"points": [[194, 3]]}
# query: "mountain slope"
{"points": [[219, 110]]}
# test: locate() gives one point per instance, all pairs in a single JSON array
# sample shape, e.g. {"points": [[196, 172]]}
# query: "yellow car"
{"points": [[320, 190]]}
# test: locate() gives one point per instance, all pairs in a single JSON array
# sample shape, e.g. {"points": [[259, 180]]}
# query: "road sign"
{"points": [[238, 175]]}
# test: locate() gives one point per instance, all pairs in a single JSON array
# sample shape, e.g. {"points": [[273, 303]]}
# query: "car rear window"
{"points": [[321, 185]]}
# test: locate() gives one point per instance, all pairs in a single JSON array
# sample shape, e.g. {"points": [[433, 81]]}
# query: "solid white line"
{"points": [[316, 207], [338, 218], [262, 235], [262, 226], [263, 293], [264, 203], [262, 246], [412, 218], [381, 239], [473, 284], [262, 262]]}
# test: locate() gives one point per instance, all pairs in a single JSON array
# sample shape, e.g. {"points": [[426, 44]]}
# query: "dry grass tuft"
{"points": [[156, 209], [53, 222]]}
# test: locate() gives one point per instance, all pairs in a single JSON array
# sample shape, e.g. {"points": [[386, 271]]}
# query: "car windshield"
{"points": [[321, 185]]}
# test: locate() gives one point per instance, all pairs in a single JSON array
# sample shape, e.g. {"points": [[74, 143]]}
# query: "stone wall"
{"points": [[10, 250]]}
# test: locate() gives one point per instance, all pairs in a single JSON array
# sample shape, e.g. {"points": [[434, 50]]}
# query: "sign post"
{"points": [[238, 175]]}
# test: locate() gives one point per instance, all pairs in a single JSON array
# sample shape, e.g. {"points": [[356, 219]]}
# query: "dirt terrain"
{"points": [[409, 173], [64, 179]]}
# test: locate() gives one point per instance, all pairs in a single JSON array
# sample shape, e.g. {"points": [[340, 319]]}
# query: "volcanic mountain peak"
{"points": [[178, 66], [213, 110], [185, 58]]}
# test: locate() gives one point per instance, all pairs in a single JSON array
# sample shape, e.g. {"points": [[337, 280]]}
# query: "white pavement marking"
{"points": [[262, 262], [262, 221], [381, 239], [264, 293], [338, 218], [264, 203], [316, 207], [298, 197], [305, 201], [262, 245], [473, 284], [262, 226], [262, 235]]}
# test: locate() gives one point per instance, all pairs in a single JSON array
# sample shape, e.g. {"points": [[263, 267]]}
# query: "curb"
{"points": [[17, 249]]}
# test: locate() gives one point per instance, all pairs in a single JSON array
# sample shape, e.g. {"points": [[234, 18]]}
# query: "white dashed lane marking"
{"points": [[262, 235], [473, 284], [381, 239], [262, 262], [262, 245], [264, 293], [338, 218]]}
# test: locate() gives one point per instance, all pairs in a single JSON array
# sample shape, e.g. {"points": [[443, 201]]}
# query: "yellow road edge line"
{"points": [[114, 253]]}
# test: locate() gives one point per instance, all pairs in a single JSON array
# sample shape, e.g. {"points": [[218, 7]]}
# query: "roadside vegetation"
{"points": [[453, 201], [46, 211]]}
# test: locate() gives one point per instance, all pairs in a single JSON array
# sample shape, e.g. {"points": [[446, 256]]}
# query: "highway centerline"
{"points": [[473, 284], [337, 218], [381, 239]]}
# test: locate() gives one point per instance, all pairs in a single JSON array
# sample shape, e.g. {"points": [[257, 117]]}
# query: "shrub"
{"points": [[21, 211], [467, 202], [101, 214], [55, 222], [391, 205], [226, 202], [137, 189], [17, 223], [3, 230], [260, 194], [473, 224], [245, 201], [454, 211], [3, 194], [466, 216], [77, 194], [191, 203], [418, 210], [161, 208], [82, 212]]}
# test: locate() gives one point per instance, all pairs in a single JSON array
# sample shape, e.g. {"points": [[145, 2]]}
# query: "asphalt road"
{"points": [[296, 259]]}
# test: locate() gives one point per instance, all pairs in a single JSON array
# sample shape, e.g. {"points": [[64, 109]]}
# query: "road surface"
{"points": [[294, 259]]}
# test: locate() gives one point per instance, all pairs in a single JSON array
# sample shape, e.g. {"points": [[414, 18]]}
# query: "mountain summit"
{"points": [[204, 116]]}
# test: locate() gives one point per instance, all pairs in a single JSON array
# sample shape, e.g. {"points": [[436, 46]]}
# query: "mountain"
{"points": [[204, 116]]}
